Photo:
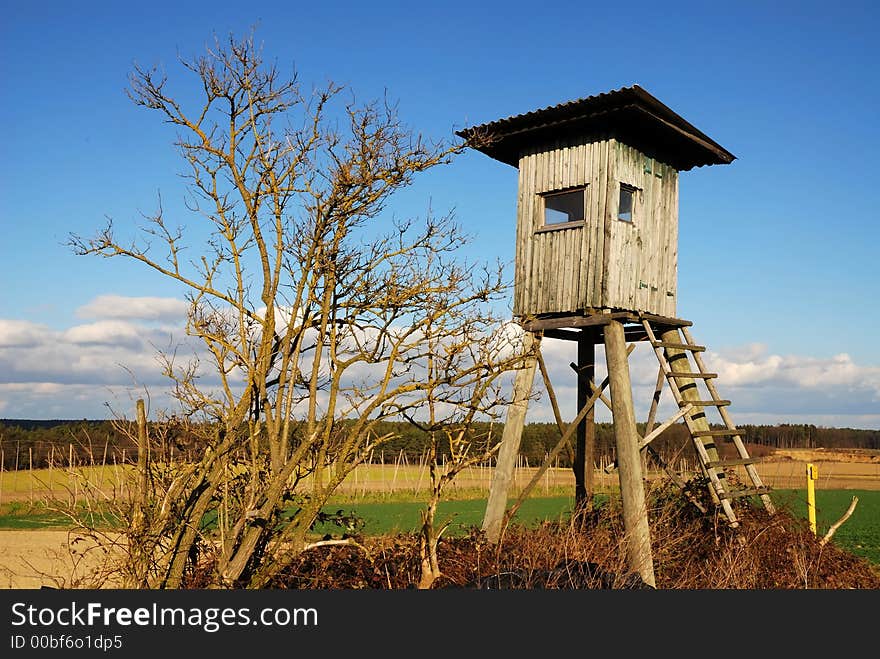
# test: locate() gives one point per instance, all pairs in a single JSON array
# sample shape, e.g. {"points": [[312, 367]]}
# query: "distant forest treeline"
{"points": [[36, 443]]}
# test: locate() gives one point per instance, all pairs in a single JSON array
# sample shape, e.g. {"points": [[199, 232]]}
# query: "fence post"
{"points": [[70, 475], [51, 472], [143, 466], [812, 477]]}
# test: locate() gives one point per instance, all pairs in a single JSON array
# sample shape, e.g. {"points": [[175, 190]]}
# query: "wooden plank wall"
{"points": [[643, 259], [600, 264], [560, 270]]}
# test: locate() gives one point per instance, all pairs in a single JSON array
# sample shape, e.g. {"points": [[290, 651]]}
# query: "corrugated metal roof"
{"points": [[629, 114]]}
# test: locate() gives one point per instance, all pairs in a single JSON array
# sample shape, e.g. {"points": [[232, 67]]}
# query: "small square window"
{"points": [[564, 207], [625, 207]]}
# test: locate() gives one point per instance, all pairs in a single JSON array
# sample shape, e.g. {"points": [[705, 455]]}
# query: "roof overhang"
{"points": [[630, 115]]}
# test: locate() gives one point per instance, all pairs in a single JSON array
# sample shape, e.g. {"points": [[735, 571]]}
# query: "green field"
{"points": [[859, 535], [403, 517]]}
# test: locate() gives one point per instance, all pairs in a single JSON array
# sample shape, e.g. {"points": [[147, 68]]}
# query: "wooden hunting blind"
{"points": [[597, 211], [596, 262]]}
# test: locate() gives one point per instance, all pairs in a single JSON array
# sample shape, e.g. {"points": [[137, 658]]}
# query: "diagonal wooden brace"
{"points": [[563, 441], [654, 434]]}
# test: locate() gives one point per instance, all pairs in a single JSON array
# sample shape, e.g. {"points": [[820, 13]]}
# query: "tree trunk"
{"points": [[430, 565]]}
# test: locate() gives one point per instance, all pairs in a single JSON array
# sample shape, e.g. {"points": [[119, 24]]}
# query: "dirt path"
{"points": [[37, 558]]}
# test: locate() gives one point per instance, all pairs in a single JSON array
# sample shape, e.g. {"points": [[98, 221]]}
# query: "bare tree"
{"points": [[466, 445], [314, 313], [456, 415]]}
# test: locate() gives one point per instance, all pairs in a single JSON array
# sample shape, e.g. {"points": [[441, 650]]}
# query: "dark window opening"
{"points": [[625, 207], [564, 207]]}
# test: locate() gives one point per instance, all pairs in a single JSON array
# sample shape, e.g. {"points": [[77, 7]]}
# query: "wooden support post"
{"points": [[566, 437], [510, 440], [143, 467], [654, 434], [551, 395], [586, 431], [632, 487], [655, 401], [652, 416]]}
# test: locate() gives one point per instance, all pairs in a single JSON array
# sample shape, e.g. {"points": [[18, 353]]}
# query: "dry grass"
{"points": [[690, 551], [785, 469], [56, 559]]}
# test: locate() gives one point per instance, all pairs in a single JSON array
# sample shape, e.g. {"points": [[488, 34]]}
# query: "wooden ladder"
{"points": [[683, 350]]}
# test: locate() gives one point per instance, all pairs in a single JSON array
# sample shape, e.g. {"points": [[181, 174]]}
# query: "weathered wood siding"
{"points": [[643, 255], [559, 270], [600, 264]]}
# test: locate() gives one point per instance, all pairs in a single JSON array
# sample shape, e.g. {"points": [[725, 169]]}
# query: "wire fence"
{"points": [[69, 477]]}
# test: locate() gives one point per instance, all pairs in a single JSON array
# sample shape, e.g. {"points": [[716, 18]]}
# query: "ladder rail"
{"points": [[737, 439], [688, 345], [718, 490]]}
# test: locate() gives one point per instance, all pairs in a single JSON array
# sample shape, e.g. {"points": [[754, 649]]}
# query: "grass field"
{"points": [[860, 534], [388, 500], [387, 516], [377, 482]]}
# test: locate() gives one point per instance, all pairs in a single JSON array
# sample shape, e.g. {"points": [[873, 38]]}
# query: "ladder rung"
{"points": [[664, 321], [730, 463], [703, 403], [691, 375], [680, 346], [716, 433], [735, 494]]}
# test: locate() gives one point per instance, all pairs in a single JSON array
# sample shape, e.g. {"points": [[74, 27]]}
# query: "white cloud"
{"points": [[134, 308], [51, 400], [763, 387], [105, 332], [802, 389], [838, 370], [750, 366], [21, 333], [70, 373], [101, 353]]}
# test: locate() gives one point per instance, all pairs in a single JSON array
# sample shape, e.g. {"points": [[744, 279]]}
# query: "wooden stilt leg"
{"points": [[586, 431], [632, 488], [510, 441]]}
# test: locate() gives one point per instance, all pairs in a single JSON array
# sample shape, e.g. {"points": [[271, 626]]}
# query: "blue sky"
{"points": [[777, 251]]}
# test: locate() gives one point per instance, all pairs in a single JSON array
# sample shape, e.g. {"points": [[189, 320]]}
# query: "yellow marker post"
{"points": [[812, 477]]}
